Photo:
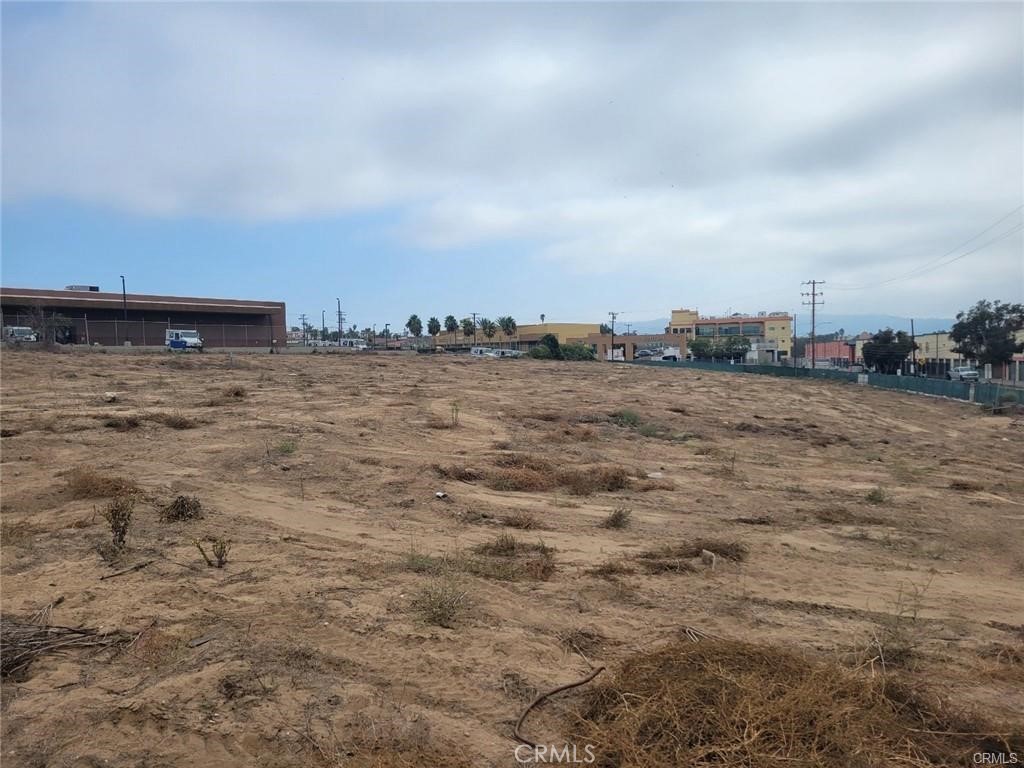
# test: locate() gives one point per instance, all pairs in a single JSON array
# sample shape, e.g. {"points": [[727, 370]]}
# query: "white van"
{"points": [[353, 343], [481, 352], [176, 338], [19, 333]]}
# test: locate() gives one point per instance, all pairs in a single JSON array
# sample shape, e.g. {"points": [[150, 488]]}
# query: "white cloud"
{"points": [[761, 142]]}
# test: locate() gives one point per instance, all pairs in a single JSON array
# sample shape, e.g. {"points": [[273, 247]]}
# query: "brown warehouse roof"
{"points": [[87, 299]]}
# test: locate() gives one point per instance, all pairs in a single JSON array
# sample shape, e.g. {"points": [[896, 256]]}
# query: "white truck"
{"points": [[19, 333], [175, 338]]}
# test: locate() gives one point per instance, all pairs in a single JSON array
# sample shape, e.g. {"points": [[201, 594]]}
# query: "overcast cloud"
{"points": [[736, 147]]}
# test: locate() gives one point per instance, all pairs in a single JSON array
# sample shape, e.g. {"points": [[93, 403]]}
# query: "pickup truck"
{"points": [[962, 373]]}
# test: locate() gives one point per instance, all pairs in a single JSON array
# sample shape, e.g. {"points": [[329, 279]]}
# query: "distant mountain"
{"points": [[827, 323]]}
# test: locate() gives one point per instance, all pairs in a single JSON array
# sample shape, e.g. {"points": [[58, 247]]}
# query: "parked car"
{"points": [[962, 373], [644, 353]]}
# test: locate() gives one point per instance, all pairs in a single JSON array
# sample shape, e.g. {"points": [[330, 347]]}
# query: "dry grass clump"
{"points": [[525, 521], [122, 423], [719, 702], [233, 394], [966, 485], [86, 483], [876, 495], [584, 482], [439, 422], [510, 559], [570, 434], [182, 508], [521, 480], [507, 545], [618, 519], [840, 516], [173, 420], [676, 558], [611, 569], [454, 472], [523, 461], [442, 602], [655, 484]]}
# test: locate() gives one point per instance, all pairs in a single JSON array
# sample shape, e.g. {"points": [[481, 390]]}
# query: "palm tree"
{"points": [[434, 328], [508, 326], [489, 327], [468, 327], [451, 325], [415, 325]]}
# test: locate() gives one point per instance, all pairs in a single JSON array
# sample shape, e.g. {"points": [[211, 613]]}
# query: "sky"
{"points": [[566, 159]]}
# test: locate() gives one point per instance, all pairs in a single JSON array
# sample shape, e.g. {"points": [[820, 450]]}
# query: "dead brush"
{"points": [[611, 569], [966, 485], [525, 521], [523, 461], [617, 519], [220, 548], [118, 514], [182, 508], [86, 483], [720, 702], [173, 420], [122, 423], [584, 482], [520, 479], [455, 472]]}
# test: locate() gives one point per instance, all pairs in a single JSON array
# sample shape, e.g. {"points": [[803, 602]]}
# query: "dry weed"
{"points": [[182, 508], [86, 483], [618, 518], [720, 702]]}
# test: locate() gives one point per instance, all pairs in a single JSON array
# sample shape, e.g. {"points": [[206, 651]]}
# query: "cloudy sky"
{"points": [[516, 159]]}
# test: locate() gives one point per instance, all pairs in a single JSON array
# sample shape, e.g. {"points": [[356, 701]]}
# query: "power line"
{"points": [[932, 263]]}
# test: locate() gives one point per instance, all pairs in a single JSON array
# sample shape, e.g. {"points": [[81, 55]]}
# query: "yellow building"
{"points": [[773, 330]]}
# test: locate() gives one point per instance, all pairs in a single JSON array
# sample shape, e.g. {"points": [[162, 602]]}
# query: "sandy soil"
{"points": [[309, 645]]}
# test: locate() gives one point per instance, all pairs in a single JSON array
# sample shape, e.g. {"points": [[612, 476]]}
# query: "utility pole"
{"points": [[302, 320], [913, 350], [814, 303], [124, 303], [387, 335], [627, 328], [341, 320], [323, 324], [474, 328], [613, 315]]}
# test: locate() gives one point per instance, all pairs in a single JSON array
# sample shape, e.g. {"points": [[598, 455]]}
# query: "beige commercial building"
{"points": [[765, 330]]}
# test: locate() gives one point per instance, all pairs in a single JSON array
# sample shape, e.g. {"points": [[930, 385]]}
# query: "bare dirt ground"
{"points": [[357, 618]]}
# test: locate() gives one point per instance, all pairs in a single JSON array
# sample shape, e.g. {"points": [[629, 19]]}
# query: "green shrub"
{"points": [[550, 341], [540, 352], [577, 352]]}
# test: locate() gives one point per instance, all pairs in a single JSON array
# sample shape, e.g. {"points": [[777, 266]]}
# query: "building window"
{"points": [[753, 329], [705, 330], [675, 330], [729, 330]]}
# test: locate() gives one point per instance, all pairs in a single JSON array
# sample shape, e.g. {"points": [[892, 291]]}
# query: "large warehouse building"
{"points": [[88, 316]]}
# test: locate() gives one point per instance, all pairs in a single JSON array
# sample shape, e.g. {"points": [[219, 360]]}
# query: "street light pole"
{"points": [[323, 324], [124, 300], [613, 315]]}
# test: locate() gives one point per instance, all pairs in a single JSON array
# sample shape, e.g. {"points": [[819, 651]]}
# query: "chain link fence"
{"points": [[151, 333], [986, 393]]}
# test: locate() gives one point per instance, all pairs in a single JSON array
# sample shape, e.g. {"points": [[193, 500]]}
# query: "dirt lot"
{"points": [[359, 615]]}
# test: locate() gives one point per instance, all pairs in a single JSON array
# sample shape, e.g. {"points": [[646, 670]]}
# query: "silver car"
{"points": [[962, 373]]}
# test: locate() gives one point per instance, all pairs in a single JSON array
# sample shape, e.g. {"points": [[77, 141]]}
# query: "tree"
{"points": [[701, 347], [605, 329], [887, 350], [508, 326], [735, 347], [468, 327], [451, 324], [415, 325], [550, 341], [488, 327], [986, 331], [434, 328]]}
